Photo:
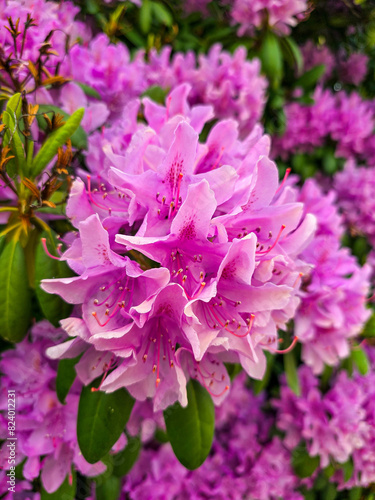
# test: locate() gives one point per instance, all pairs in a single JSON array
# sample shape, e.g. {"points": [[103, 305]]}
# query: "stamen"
{"points": [[274, 243], [288, 349], [287, 172], [44, 243]]}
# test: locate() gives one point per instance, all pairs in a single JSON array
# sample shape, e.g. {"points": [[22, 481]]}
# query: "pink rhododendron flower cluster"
{"points": [[50, 18], [46, 429], [332, 116], [336, 426], [231, 83], [280, 14], [355, 187], [244, 463], [333, 307], [224, 240]]}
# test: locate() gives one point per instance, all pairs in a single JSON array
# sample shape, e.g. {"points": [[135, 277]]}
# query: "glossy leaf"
{"points": [[292, 53], [12, 138], [361, 360], [303, 464], [123, 461], [271, 57], [191, 429], [369, 328], [89, 91], [101, 420], [15, 298], [79, 137], [145, 16], [348, 469], [66, 375], [291, 372], [162, 14], [53, 306], [67, 490], [57, 139], [108, 489], [309, 79]]}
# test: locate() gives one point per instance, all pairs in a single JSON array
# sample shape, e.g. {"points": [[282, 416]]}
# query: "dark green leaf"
{"points": [[101, 420], [303, 464], [348, 469], [145, 16], [65, 492], [56, 140], [355, 494], [53, 306], [66, 375], [89, 91], [291, 372], [122, 462], [260, 385], [360, 359], [292, 53], [156, 94], [271, 58], [162, 14], [191, 429], [369, 328], [15, 298], [108, 489], [79, 138], [309, 79]]}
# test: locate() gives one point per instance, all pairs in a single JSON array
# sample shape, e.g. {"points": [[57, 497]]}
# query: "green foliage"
{"points": [[271, 58], [15, 299], [56, 140], [66, 375], [291, 372], [123, 461], [79, 136], [191, 429], [53, 306], [101, 420], [108, 489], [303, 464], [360, 359]]}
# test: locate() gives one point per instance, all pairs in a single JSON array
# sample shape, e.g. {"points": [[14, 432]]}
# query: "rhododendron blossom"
{"points": [[223, 241]]}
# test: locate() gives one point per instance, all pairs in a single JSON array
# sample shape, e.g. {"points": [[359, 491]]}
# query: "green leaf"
{"points": [[108, 489], [156, 94], [145, 16], [291, 372], [162, 14], [14, 106], [56, 140], [53, 306], [369, 328], [309, 79], [15, 298], [122, 462], [355, 493], [89, 91], [12, 137], [101, 420], [66, 375], [191, 429], [348, 469], [79, 137], [65, 492], [303, 464], [260, 385], [360, 359], [292, 53], [271, 58]]}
